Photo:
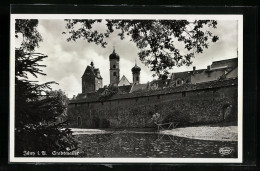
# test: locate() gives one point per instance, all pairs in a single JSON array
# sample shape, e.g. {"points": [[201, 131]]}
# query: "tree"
{"points": [[36, 106], [156, 39], [108, 92]]}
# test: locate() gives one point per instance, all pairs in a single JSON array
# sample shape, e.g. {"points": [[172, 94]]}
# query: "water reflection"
{"points": [[150, 145]]}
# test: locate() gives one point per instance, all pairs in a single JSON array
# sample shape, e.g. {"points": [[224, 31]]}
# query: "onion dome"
{"points": [[136, 69], [113, 55]]}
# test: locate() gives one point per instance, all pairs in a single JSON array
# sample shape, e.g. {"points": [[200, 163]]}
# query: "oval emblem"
{"points": [[225, 150]]}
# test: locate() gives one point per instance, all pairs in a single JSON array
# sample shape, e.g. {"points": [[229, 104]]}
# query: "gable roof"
{"points": [[93, 71], [124, 79]]}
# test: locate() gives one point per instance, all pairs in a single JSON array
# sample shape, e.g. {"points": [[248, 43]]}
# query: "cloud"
{"points": [[67, 61]]}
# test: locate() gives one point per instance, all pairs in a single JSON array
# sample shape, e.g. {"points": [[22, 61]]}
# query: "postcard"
{"points": [[129, 88]]}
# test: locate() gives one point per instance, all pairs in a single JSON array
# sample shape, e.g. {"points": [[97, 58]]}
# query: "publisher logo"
{"points": [[225, 150]]}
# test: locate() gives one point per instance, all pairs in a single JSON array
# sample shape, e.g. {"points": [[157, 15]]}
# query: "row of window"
{"points": [[114, 73]]}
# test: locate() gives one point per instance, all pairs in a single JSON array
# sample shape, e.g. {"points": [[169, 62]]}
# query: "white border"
{"points": [[12, 158]]}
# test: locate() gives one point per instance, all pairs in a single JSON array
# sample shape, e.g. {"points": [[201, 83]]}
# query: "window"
{"points": [[137, 78], [158, 97], [114, 66], [114, 74], [183, 94]]}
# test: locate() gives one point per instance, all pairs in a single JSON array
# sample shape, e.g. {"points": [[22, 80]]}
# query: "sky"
{"points": [[67, 61]]}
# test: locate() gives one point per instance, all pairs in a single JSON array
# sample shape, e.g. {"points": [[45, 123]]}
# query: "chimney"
{"points": [[194, 68], [208, 67]]}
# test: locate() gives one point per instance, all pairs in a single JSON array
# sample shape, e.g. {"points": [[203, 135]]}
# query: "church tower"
{"points": [[136, 74], [114, 68]]}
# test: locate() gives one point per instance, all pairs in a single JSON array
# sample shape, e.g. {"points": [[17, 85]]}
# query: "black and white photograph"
{"points": [[126, 88]]}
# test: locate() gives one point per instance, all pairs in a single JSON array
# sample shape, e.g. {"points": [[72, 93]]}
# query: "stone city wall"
{"points": [[188, 107]]}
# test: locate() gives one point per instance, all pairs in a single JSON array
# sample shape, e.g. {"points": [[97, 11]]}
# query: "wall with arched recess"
{"points": [[203, 106]]}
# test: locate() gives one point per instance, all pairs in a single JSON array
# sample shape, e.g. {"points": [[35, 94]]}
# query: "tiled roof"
{"points": [[228, 71], [161, 83], [225, 61], [88, 69], [94, 71], [139, 87], [198, 71], [229, 62], [124, 89], [186, 74], [185, 87], [182, 74], [168, 90]]}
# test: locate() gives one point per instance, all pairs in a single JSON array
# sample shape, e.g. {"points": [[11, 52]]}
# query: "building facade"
{"points": [[193, 97], [216, 71], [203, 103]]}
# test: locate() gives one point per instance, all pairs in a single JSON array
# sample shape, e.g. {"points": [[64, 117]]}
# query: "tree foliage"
{"points": [[27, 30], [36, 106], [157, 40], [108, 92]]}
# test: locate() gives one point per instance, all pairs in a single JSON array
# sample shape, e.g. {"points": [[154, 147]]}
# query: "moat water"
{"points": [[150, 144]]}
